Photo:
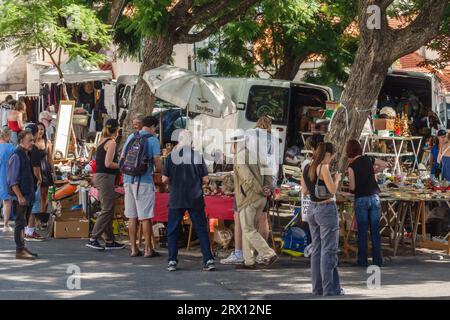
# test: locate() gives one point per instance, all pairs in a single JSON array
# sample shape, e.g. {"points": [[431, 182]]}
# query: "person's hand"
{"points": [[22, 201], [338, 176]]}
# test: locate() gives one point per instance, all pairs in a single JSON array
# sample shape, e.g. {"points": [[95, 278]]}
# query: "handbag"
{"points": [[321, 192]]}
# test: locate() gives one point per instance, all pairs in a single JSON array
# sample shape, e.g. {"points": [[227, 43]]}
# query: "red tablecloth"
{"points": [[216, 207]]}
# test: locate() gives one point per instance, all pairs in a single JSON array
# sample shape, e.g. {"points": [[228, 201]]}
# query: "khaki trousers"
{"points": [[104, 182], [251, 239]]}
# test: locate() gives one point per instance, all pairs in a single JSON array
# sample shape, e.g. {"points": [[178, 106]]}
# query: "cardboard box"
{"points": [[332, 105], [384, 124], [71, 214], [69, 202], [75, 228]]}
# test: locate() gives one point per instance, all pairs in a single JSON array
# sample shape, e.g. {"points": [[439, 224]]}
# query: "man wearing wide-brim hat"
{"points": [[251, 190]]}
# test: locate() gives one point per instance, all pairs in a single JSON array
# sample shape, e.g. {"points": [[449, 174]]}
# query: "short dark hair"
{"points": [[353, 149], [150, 121], [22, 134]]}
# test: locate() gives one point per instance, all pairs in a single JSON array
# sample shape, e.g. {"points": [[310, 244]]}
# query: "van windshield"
{"points": [[270, 101]]}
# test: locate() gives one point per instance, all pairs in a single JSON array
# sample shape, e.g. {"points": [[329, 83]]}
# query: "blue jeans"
{"points": [[368, 213], [323, 222], [198, 219]]}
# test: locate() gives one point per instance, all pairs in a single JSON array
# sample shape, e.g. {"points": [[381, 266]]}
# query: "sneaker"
{"points": [[33, 254], [95, 245], [342, 292], [209, 266], [34, 237], [172, 266], [7, 229], [24, 255], [232, 259], [270, 261], [114, 246], [246, 266], [259, 259]]}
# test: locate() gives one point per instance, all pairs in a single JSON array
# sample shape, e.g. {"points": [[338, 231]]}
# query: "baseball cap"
{"points": [[441, 133], [33, 128], [112, 124]]}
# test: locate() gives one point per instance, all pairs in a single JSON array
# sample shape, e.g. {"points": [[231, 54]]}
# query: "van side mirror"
{"points": [[241, 106]]}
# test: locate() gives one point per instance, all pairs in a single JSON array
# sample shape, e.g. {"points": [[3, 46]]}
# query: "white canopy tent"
{"points": [[74, 72]]}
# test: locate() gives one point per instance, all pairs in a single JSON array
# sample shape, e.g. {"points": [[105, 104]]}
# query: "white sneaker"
{"points": [[259, 259], [232, 259], [7, 229]]}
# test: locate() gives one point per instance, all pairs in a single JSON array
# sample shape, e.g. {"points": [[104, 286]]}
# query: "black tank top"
{"points": [[311, 185], [100, 159]]}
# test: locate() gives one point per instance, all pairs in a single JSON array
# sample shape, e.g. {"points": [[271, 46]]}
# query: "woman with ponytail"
{"points": [[323, 221], [104, 178]]}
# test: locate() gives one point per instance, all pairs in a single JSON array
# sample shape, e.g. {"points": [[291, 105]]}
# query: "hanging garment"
{"points": [[110, 100], [92, 123]]}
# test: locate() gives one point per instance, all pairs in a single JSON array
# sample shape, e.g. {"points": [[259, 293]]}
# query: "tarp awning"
{"points": [[74, 72]]}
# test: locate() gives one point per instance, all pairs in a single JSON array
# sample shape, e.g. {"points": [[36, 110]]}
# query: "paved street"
{"points": [[113, 275]]}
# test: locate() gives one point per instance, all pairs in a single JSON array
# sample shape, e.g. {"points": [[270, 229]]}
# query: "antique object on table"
{"points": [[405, 126], [398, 126]]}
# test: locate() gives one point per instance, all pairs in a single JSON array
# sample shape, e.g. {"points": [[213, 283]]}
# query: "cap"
{"points": [[112, 124], [33, 128], [441, 133]]}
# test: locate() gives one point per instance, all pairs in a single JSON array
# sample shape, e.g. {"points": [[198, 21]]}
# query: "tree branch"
{"points": [[421, 31], [182, 35]]}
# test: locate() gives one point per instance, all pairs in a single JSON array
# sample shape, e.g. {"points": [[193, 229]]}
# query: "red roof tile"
{"points": [[413, 62]]}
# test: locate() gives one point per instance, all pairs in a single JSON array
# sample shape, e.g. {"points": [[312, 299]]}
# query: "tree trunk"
{"points": [[361, 91], [291, 65], [379, 48], [156, 52]]}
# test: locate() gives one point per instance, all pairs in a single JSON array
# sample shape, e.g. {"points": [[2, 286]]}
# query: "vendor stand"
{"points": [[398, 144]]}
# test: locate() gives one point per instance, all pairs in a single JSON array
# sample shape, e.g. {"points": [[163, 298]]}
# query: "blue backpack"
{"points": [[135, 161], [295, 239]]}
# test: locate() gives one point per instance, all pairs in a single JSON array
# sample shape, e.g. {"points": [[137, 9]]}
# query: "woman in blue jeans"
{"points": [[323, 221], [362, 182]]}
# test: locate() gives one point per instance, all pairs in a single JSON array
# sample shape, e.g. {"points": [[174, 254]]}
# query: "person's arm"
{"points": [[156, 153], [109, 158], [50, 158], [20, 120], [331, 184], [379, 165], [166, 172], [157, 162], [351, 179], [13, 178], [35, 159], [204, 172], [305, 190]]}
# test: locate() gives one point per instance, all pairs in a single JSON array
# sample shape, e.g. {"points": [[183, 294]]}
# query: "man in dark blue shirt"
{"points": [[21, 185], [186, 172]]}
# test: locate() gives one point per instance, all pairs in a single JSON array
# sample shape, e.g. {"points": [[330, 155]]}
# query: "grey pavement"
{"points": [[114, 275]]}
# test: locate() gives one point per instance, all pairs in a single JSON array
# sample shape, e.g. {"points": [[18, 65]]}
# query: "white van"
{"points": [[282, 100], [426, 87]]}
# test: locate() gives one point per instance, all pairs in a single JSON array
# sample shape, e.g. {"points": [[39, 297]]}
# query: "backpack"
{"points": [[135, 161], [294, 239]]}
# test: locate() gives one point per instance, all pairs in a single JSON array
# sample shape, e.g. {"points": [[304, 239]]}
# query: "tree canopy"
{"points": [[277, 36], [52, 25]]}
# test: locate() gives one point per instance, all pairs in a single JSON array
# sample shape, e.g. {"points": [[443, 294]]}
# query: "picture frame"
{"points": [[63, 129]]}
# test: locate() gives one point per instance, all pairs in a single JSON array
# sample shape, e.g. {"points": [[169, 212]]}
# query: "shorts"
{"points": [[140, 205]]}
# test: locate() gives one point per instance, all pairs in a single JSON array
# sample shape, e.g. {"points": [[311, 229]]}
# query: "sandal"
{"points": [[137, 254], [152, 255]]}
